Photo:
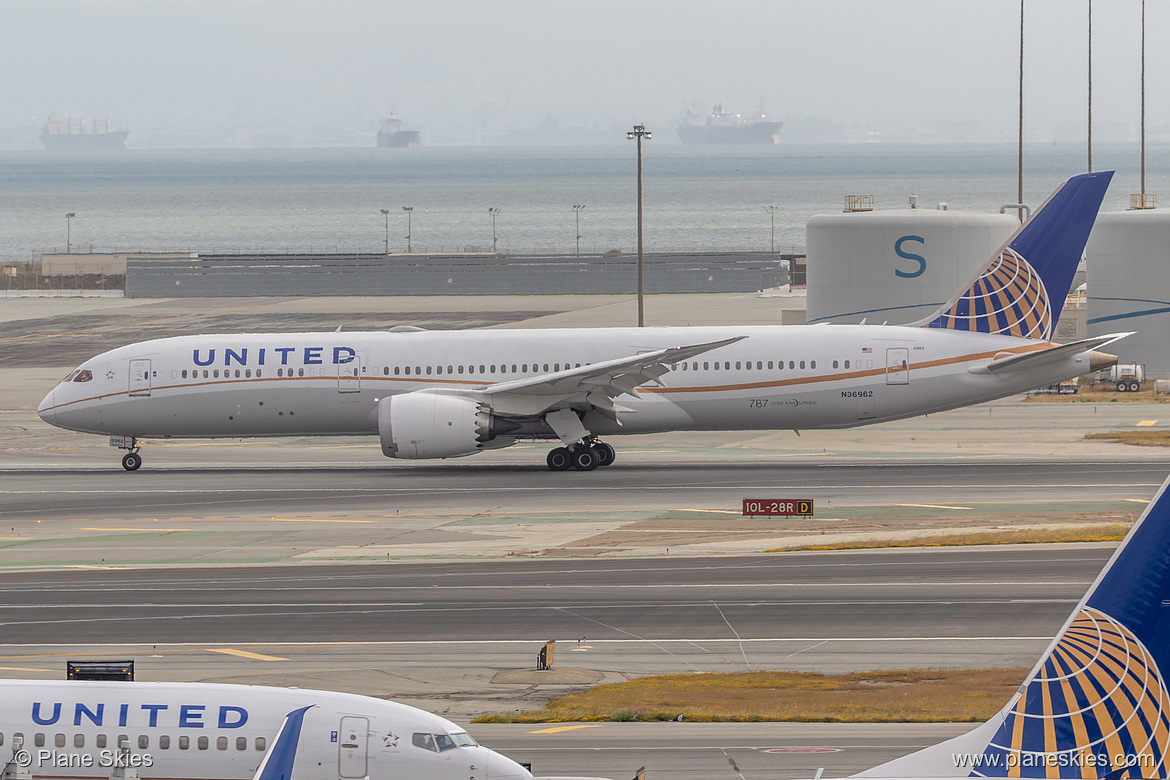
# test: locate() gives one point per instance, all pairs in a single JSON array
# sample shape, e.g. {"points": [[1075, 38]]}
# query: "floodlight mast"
{"points": [[638, 133]]}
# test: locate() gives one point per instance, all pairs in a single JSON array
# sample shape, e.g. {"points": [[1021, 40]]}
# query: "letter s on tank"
{"points": [[900, 252]]}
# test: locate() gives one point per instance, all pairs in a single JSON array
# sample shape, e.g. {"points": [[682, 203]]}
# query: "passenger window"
{"points": [[300, 372], [248, 373], [1, 737], [834, 364], [203, 742], [792, 364], [737, 365], [261, 743], [59, 740], [846, 364], [438, 369], [164, 742], [241, 743], [684, 366], [424, 741], [258, 372], [769, 365], [428, 370], [524, 368], [450, 369], [237, 373], [513, 368], [100, 740], [215, 373], [481, 369], [184, 742], [418, 370], [39, 739], [812, 364], [492, 368], [221, 743], [143, 742], [802, 364], [706, 366], [460, 369], [184, 373], [727, 365], [546, 368], [78, 740]]}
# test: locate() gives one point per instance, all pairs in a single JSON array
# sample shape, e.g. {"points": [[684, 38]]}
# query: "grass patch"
{"points": [[905, 696], [1103, 532], [1137, 438], [1085, 396]]}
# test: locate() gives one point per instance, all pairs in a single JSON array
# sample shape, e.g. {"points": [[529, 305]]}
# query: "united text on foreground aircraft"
{"points": [[455, 393], [1096, 705], [167, 731]]}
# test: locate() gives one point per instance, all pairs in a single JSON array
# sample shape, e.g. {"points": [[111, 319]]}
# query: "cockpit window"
{"points": [[72, 374], [444, 742], [424, 741], [83, 376], [464, 740]]}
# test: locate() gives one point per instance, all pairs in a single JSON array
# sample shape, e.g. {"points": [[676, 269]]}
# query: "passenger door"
{"points": [[897, 366], [353, 742], [349, 376], [140, 377]]}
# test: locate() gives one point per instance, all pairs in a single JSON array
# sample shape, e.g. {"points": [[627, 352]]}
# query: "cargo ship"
{"points": [[722, 128], [394, 135], [62, 136]]}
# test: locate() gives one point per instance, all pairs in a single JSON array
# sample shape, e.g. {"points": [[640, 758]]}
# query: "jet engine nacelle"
{"points": [[427, 424]]}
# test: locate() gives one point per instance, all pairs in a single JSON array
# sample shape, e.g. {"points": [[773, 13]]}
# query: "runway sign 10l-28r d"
{"points": [[777, 507]]}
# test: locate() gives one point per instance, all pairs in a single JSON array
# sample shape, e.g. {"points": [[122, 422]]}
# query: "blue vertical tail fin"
{"points": [[1021, 290], [1096, 705]]}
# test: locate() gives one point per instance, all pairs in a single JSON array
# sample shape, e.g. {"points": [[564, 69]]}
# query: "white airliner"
{"points": [[455, 393], [83, 730]]}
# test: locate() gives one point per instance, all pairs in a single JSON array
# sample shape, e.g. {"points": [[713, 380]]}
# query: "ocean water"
{"points": [[328, 200]]}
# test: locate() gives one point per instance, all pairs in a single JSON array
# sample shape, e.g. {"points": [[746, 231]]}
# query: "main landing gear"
{"points": [[583, 456]]}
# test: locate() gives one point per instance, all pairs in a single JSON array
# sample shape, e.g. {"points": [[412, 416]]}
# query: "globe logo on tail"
{"points": [[1009, 299], [1098, 697]]}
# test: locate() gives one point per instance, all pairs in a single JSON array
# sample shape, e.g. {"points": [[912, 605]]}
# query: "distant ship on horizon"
{"points": [[719, 127], [394, 135], [59, 135]]}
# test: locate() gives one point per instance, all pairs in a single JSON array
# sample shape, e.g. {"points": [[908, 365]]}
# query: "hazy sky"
{"points": [[443, 64]]}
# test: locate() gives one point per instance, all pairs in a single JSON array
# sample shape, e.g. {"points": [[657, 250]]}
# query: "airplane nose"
{"points": [[47, 411], [500, 767]]}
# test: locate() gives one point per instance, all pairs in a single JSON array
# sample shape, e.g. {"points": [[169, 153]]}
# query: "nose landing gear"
{"points": [[131, 461], [583, 456]]}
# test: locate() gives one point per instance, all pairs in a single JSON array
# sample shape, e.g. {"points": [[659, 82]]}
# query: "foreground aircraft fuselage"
{"points": [[228, 732]]}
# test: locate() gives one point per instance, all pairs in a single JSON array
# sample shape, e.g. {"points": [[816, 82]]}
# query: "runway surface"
{"points": [[701, 751], [167, 492]]}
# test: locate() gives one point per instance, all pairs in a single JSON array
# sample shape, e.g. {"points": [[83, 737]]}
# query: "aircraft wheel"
{"points": [[584, 458], [131, 461], [559, 459], [605, 453]]}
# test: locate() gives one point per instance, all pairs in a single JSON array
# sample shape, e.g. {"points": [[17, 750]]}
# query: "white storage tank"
{"points": [[1128, 280], [896, 266]]}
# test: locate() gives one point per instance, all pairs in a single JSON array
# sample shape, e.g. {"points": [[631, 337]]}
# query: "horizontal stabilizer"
{"points": [[1032, 359]]}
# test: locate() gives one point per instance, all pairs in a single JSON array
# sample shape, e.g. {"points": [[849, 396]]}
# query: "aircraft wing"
{"points": [[1032, 359], [596, 385]]}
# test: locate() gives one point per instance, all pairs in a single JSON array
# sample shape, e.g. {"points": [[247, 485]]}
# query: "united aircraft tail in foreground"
{"points": [[1097, 703], [456, 393]]}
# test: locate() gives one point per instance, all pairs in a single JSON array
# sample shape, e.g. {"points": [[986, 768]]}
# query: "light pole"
{"points": [[386, 240], [577, 211], [69, 231], [408, 210], [772, 212], [495, 212], [638, 133]]}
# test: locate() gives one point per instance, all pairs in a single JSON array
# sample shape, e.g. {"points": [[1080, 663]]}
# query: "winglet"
{"points": [[278, 761]]}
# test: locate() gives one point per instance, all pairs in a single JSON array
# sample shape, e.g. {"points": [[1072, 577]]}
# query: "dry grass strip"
{"points": [[1103, 532], [1137, 438], [905, 696]]}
